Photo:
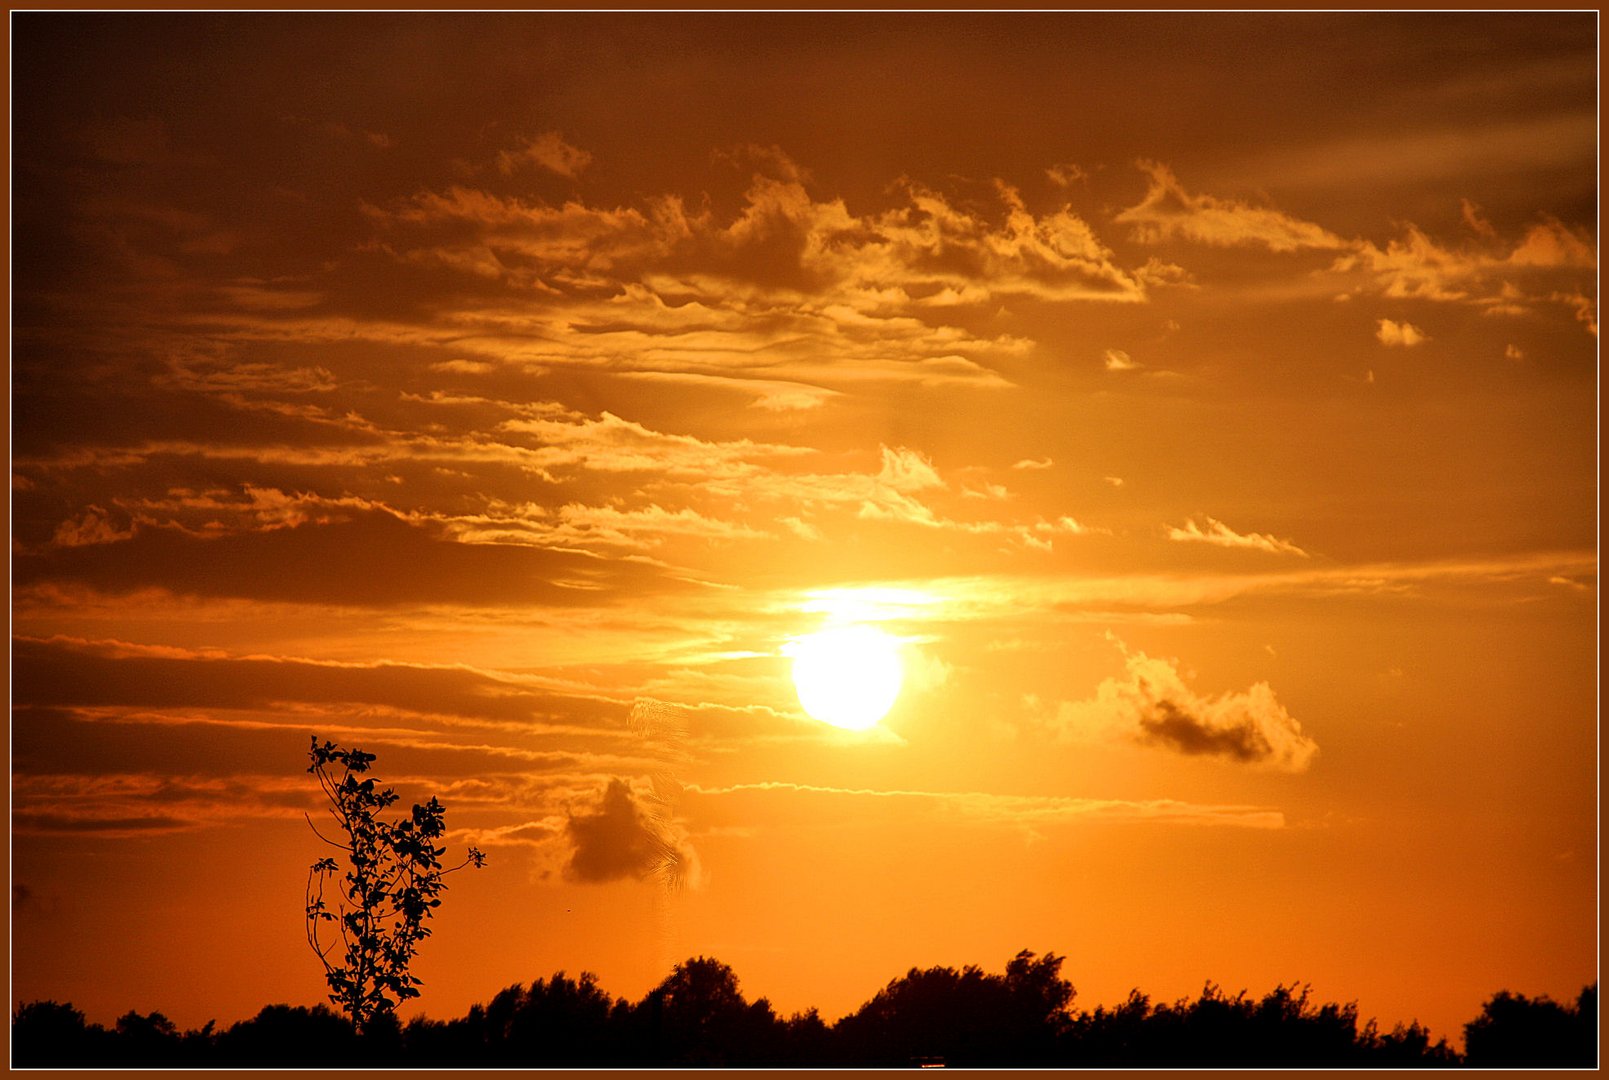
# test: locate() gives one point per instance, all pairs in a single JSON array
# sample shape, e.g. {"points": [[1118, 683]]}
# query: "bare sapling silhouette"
{"points": [[392, 884]]}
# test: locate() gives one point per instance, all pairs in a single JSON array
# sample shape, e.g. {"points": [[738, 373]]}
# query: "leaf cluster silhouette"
{"points": [[699, 1017]]}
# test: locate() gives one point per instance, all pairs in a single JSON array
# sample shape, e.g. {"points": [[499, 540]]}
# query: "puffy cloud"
{"points": [[628, 836], [1118, 360], [546, 151], [1169, 211], [1152, 705], [1550, 243], [1513, 352], [1405, 334], [1217, 533]]}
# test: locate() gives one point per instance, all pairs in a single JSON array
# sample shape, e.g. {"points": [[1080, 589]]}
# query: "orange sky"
{"points": [[1206, 402]]}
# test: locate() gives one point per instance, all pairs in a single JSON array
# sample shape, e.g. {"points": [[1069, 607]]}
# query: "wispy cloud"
{"points": [[546, 151], [1218, 534], [1548, 263], [1022, 811], [1169, 211]]}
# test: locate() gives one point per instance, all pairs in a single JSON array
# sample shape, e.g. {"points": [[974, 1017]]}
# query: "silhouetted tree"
{"points": [[46, 1034], [147, 1041], [288, 1036], [965, 1017], [392, 885], [1110, 1036], [806, 1040], [1407, 1046], [697, 1016], [561, 1021], [1514, 1031]]}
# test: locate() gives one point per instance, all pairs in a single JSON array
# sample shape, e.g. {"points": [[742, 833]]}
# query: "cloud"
{"points": [[546, 151], [987, 808], [1405, 334], [97, 674], [29, 821], [1118, 360], [464, 367], [1416, 266], [1551, 243], [1168, 211], [126, 803], [1216, 532], [797, 284], [1034, 463], [626, 837], [369, 558], [1476, 220], [907, 471], [93, 526], [1485, 272], [1152, 706], [1066, 174], [1513, 352], [649, 526], [769, 395], [1584, 307]]}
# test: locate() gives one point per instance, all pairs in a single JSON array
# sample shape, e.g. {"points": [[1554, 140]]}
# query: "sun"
{"points": [[847, 676]]}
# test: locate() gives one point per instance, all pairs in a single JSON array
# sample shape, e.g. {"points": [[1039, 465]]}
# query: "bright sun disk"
{"points": [[847, 676]]}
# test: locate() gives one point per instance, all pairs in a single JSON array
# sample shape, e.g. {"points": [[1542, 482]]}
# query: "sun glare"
{"points": [[847, 676]]}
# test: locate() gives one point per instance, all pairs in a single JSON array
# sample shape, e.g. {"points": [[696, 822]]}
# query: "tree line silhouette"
{"points": [[698, 1017], [368, 911]]}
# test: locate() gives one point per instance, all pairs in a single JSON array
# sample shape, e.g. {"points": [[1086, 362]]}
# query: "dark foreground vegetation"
{"points": [[698, 1017]]}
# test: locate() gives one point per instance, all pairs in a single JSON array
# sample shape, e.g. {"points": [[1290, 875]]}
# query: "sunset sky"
{"points": [[1205, 404]]}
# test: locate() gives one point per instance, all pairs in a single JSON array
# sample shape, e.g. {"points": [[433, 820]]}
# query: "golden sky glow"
{"points": [[1201, 408]]}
